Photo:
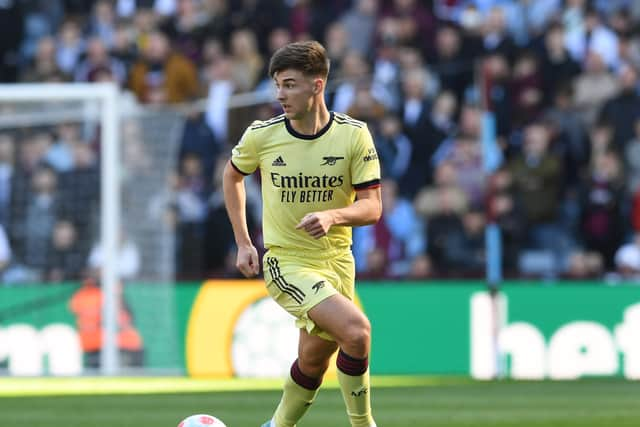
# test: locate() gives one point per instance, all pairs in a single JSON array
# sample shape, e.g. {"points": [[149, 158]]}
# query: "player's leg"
{"points": [[304, 379], [351, 329]]}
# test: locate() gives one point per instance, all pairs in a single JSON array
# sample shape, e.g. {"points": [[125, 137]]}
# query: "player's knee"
{"points": [[313, 365], [358, 337]]}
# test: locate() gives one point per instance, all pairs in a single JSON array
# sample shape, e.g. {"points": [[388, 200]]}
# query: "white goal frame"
{"points": [[107, 94]]}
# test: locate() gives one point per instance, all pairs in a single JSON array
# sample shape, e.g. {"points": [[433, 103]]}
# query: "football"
{"points": [[201, 420]]}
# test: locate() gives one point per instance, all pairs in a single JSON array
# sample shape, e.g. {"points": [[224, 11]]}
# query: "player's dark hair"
{"points": [[309, 57]]}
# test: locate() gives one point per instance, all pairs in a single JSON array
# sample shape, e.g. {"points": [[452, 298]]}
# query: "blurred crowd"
{"points": [[560, 78]]}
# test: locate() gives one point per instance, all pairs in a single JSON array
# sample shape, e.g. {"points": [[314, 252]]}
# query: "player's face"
{"points": [[295, 92]]}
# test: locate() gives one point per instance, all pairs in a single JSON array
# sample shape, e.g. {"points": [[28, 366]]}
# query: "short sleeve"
{"points": [[365, 166], [244, 157]]}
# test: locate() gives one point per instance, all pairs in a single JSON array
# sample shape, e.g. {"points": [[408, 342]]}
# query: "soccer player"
{"points": [[320, 176]]}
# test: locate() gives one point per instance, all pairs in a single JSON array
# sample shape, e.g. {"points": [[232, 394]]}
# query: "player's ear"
{"points": [[317, 86]]}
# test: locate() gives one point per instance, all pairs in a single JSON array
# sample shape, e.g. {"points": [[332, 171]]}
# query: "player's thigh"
{"points": [[297, 285], [345, 272], [340, 317], [315, 351]]}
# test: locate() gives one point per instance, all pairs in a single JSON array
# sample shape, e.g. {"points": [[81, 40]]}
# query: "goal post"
{"points": [[106, 95]]}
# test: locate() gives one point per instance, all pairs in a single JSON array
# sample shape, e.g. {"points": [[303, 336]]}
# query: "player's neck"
{"points": [[312, 122]]}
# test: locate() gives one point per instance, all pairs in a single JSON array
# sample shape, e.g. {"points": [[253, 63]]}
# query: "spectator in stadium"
{"points": [[558, 69], [442, 206], [44, 64], [161, 75], [97, 57], [495, 35], [7, 166], [219, 23], [262, 16], [277, 38], [393, 147], [124, 46], [414, 21], [246, 61], [632, 160], [422, 268], [450, 61], [593, 87], [86, 305], [627, 259], [66, 259], [192, 191], [602, 199], [80, 191], [386, 73], [12, 23], [41, 214], [629, 49], [219, 75], [5, 251], [464, 154], [187, 29], [463, 250], [526, 87], [197, 138], [219, 244], [337, 41], [102, 22], [31, 149], [360, 22], [70, 46], [569, 130], [353, 72], [600, 139], [505, 212], [365, 107], [592, 36], [41, 19], [60, 154], [390, 246], [497, 94], [537, 184], [623, 110], [584, 265], [128, 261], [417, 122]]}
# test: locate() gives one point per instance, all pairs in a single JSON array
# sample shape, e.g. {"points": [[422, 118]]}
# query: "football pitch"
{"points": [[398, 402]]}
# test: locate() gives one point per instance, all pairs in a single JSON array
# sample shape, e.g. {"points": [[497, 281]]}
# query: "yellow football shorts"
{"points": [[299, 280]]}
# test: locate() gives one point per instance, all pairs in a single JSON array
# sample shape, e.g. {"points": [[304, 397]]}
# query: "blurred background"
{"points": [[509, 139]]}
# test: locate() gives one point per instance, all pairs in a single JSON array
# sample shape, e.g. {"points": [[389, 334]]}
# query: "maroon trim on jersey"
{"points": [[374, 183], [239, 171]]}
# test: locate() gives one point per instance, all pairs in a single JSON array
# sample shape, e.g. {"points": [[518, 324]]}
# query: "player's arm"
{"points": [[235, 200], [366, 210]]}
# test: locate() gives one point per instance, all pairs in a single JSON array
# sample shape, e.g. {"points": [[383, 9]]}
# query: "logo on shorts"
{"points": [[331, 160], [318, 286]]}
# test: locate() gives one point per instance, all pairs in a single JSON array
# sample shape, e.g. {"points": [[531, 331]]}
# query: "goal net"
{"points": [[85, 198]]}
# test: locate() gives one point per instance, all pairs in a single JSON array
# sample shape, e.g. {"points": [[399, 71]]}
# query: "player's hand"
{"points": [[247, 261], [316, 224]]}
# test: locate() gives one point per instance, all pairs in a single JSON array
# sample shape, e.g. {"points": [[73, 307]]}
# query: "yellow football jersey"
{"points": [[307, 173]]}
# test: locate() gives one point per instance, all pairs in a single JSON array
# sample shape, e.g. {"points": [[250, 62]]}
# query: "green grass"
{"points": [[429, 402]]}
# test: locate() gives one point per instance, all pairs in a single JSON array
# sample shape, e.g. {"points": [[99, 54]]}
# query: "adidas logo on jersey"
{"points": [[278, 162]]}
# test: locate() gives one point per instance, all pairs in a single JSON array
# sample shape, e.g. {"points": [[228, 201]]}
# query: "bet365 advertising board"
{"points": [[231, 328]]}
